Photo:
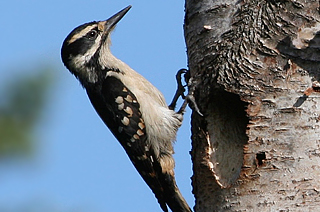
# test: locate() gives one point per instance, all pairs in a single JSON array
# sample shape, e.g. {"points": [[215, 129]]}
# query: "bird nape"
{"points": [[131, 107]]}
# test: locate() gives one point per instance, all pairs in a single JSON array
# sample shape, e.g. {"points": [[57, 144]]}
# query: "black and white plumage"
{"points": [[131, 107]]}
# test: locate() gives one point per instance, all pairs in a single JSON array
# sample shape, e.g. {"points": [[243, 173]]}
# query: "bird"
{"points": [[132, 108]]}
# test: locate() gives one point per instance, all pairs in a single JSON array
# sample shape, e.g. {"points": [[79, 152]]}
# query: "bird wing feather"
{"points": [[117, 106]]}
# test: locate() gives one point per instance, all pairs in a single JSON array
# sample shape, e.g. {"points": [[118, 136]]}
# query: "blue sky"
{"points": [[79, 165]]}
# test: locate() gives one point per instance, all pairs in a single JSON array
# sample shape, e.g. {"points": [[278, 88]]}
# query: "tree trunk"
{"points": [[255, 64]]}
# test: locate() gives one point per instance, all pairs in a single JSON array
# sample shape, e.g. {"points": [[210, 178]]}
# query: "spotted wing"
{"points": [[118, 107]]}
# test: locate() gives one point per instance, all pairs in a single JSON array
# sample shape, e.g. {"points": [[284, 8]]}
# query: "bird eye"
{"points": [[92, 34]]}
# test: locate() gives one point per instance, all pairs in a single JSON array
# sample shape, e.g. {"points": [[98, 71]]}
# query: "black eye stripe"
{"points": [[79, 41]]}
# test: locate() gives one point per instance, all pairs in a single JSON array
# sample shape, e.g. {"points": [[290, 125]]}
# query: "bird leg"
{"points": [[180, 89], [189, 98]]}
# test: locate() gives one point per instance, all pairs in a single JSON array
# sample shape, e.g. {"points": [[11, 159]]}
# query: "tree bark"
{"points": [[255, 65]]}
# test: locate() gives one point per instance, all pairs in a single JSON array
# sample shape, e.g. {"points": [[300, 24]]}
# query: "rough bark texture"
{"points": [[256, 64]]}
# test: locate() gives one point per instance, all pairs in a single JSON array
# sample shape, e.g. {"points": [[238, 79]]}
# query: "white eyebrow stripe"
{"points": [[81, 33]]}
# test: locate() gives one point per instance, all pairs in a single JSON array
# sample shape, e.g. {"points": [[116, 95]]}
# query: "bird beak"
{"points": [[112, 21]]}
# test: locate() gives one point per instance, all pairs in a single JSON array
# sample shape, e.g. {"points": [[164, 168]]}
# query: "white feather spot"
{"points": [[125, 121], [119, 100], [129, 98], [129, 111], [121, 106], [141, 125], [139, 132]]}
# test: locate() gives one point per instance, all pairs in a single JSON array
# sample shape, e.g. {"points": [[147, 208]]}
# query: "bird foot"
{"points": [[189, 98]]}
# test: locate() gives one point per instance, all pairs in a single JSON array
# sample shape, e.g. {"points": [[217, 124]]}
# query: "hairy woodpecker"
{"points": [[131, 107]]}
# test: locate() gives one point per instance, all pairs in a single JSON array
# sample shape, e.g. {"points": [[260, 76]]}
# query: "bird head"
{"points": [[85, 51]]}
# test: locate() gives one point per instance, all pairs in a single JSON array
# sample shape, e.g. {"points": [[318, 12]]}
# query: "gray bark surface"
{"points": [[257, 65]]}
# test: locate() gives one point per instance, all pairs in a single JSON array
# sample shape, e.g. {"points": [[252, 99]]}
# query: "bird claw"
{"points": [[180, 89], [189, 98]]}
